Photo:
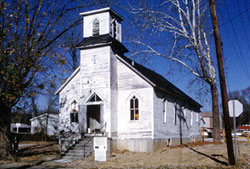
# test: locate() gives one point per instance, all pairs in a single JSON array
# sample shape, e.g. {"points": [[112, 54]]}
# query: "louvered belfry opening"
{"points": [[96, 27]]}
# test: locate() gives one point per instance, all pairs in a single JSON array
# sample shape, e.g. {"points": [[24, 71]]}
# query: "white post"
{"points": [[17, 127]]}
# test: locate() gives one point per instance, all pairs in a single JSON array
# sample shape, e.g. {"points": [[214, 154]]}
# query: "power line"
{"points": [[233, 18], [247, 13], [244, 27], [241, 59], [229, 35], [230, 38]]}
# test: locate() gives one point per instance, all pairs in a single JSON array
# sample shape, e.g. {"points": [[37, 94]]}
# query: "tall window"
{"points": [[191, 118], [164, 112], [197, 117], [74, 112], [184, 115], [134, 109], [96, 29], [175, 114], [114, 29]]}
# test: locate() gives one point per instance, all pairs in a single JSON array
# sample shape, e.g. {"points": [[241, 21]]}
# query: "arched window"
{"points": [[175, 114], [114, 29], [74, 112], [134, 108], [96, 28], [164, 111]]}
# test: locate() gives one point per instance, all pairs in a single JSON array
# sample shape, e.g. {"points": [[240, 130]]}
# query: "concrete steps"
{"points": [[82, 149]]}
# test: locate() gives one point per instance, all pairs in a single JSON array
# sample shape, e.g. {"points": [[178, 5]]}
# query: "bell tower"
{"points": [[98, 64], [100, 22]]}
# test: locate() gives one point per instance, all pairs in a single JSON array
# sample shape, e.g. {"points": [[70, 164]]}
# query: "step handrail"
{"points": [[68, 137]]}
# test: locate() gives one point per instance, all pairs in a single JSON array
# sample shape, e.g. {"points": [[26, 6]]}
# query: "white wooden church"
{"points": [[136, 108]]}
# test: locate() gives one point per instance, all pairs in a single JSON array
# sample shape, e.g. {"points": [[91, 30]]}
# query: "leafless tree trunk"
{"points": [[184, 20], [216, 116]]}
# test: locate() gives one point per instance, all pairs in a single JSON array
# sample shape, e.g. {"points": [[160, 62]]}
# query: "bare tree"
{"points": [[184, 21], [72, 38], [29, 31]]}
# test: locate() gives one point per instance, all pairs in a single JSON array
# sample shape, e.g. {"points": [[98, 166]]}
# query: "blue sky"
{"points": [[234, 23], [235, 27]]}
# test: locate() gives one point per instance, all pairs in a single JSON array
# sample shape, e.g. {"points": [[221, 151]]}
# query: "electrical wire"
{"points": [[235, 17], [240, 56], [244, 27]]}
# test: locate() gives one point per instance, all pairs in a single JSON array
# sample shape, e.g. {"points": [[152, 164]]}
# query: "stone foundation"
{"points": [[148, 145]]}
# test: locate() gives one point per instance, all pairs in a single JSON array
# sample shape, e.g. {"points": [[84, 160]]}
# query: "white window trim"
{"points": [[134, 109], [164, 116], [74, 106], [197, 117], [175, 114], [139, 107], [184, 110], [191, 117], [93, 27]]}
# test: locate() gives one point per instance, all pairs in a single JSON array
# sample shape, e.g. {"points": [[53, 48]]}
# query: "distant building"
{"points": [[244, 127], [207, 121], [45, 122], [19, 128]]}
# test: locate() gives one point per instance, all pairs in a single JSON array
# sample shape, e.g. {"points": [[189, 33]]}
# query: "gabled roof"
{"points": [[153, 78], [101, 40], [68, 80], [207, 114], [156, 80], [13, 125], [55, 116]]}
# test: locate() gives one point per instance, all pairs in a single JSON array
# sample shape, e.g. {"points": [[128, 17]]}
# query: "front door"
{"points": [[93, 117]]}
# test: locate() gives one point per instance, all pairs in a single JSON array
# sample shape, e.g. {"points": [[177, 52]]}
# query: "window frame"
{"points": [[164, 116], [74, 112], [175, 114], [184, 115], [114, 29], [191, 117], [197, 117], [74, 117], [133, 108], [95, 27]]}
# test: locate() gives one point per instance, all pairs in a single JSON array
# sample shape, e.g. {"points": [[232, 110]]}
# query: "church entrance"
{"points": [[93, 117]]}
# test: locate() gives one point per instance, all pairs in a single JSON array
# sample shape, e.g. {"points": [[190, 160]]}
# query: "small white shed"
{"points": [[45, 122]]}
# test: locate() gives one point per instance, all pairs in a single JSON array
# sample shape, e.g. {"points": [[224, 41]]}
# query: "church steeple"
{"points": [[100, 22], [102, 27]]}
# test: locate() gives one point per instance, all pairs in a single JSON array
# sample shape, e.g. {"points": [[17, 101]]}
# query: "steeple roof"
{"points": [[102, 40], [107, 9]]}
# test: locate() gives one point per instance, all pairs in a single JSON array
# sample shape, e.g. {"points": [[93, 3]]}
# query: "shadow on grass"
{"points": [[35, 147], [211, 157], [36, 164], [37, 150]]}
